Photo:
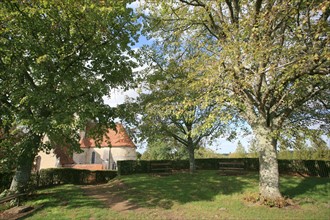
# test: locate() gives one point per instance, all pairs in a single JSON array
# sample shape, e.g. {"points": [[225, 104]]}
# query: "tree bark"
{"points": [[192, 166], [269, 175], [25, 161]]}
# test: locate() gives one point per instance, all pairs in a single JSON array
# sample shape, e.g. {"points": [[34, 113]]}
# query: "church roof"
{"points": [[117, 138]]}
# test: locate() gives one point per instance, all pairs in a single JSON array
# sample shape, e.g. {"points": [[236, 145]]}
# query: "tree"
{"points": [[253, 150], [271, 56], [320, 149], [204, 152], [168, 107], [58, 60], [164, 148], [240, 151]]}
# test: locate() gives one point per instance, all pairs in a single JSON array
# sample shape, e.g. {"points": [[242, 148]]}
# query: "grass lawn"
{"points": [[205, 195]]}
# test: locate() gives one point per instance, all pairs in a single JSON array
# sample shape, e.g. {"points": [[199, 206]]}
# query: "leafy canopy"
{"points": [[58, 59]]}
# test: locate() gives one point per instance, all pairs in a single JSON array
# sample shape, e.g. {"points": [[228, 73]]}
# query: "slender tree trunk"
{"points": [[191, 152], [24, 165], [192, 166], [269, 175]]}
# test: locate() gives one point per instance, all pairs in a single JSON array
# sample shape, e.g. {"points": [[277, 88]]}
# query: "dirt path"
{"points": [[109, 194]]}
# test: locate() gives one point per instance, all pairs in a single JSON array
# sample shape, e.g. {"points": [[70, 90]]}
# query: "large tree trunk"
{"points": [[269, 175], [25, 161]]}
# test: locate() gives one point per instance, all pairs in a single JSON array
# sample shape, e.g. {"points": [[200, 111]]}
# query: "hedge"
{"points": [[56, 176], [319, 168]]}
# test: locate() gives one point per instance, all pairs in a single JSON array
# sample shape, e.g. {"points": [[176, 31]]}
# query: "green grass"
{"points": [[68, 202], [205, 195]]}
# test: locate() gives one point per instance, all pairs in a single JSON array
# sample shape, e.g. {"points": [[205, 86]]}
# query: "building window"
{"points": [[93, 158]]}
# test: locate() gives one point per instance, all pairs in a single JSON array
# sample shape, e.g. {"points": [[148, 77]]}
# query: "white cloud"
{"points": [[119, 96]]}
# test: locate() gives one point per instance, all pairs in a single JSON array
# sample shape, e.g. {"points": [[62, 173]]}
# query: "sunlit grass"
{"points": [[205, 195], [68, 202]]}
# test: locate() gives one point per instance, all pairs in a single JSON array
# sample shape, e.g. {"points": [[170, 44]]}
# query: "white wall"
{"points": [[48, 160], [123, 153], [101, 155]]}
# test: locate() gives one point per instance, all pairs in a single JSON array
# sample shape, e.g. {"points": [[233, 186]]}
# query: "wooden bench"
{"points": [[161, 167], [12, 197], [231, 166]]}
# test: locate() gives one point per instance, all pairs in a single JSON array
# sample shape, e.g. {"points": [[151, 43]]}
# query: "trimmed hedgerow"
{"points": [[319, 168], [55, 176]]}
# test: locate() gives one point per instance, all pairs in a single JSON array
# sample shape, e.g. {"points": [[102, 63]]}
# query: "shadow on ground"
{"points": [[313, 188], [163, 191], [66, 196]]}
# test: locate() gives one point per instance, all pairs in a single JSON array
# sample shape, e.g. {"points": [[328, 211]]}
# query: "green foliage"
{"points": [[253, 150], [58, 61], [204, 152], [167, 108], [268, 59], [164, 149], [239, 152], [306, 153]]}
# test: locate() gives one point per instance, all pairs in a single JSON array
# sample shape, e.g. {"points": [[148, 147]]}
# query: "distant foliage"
{"points": [[204, 152], [164, 149], [305, 154], [239, 152], [161, 150]]}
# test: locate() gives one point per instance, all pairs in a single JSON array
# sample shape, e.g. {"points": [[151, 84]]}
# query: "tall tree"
{"points": [[58, 59], [240, 151], [164, 148], [253, 150], [168, 107], [271, 56]]}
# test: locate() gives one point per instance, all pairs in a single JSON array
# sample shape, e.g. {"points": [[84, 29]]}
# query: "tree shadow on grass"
{"points": [[110, 195], [308, 186], [163, 191], [144, 191], [65, 196], [311, 188]]}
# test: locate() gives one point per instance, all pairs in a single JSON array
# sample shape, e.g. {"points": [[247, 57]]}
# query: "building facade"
{"points": [[115, 146]]}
